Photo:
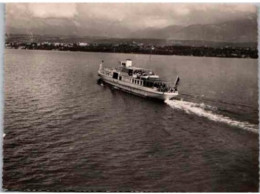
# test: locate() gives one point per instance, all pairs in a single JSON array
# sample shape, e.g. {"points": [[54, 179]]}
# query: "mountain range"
{"points": [[236, 31], [230, 31]]}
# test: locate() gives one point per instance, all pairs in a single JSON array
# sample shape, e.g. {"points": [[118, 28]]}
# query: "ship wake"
{"points": [[207, 111]]}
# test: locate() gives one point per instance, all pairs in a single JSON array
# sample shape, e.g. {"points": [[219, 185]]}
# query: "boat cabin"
{"points": [[127, 63], [139, 76], [128, 68]]}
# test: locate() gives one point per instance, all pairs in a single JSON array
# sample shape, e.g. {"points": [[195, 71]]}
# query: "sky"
{"points": [[116, 19]]}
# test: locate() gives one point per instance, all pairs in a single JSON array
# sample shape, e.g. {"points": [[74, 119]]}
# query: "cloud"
{"points": [[53, 10], [40, 10], [140, 15], [120, 18]]}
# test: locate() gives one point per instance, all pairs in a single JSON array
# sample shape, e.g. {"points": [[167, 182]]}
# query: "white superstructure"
{"points": [[139, 81]]}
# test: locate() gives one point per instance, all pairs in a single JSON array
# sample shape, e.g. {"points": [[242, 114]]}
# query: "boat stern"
{"points": [[169, 95]]}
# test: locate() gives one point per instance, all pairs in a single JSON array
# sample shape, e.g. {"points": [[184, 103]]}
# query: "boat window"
{"points": [[130, 72], [115, 75]]}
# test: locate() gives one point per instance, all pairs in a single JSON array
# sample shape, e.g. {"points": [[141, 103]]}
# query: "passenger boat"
{"points": [[138, 81]]}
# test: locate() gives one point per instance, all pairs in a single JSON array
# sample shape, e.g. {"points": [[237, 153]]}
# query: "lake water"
{"points": [[64, 132]]}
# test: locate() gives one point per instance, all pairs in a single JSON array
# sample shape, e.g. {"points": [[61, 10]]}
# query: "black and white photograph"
{"points": [[131, 97]]}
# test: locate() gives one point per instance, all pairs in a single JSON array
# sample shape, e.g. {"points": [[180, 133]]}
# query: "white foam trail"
{"points": [[205, 111], [3, 135]]}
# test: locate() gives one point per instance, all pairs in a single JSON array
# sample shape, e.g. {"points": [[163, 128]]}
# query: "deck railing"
{"points": [[159, 85]]}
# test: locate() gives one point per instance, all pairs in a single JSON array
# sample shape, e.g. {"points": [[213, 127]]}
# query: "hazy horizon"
{"points": [[117, 19]]}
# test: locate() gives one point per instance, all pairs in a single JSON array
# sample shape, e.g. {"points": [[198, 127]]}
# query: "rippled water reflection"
{"points": [[66, 132]]}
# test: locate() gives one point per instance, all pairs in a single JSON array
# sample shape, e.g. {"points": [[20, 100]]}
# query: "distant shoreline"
{"points": [[227, 52]]}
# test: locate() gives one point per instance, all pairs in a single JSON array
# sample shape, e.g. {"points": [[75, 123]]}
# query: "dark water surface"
{"points": [[63, 131]]}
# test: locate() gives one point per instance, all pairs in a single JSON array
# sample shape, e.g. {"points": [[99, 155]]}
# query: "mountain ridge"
{"points": [[244, 30], [230, 31]]}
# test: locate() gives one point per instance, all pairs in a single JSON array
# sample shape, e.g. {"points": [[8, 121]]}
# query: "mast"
{"points": [[177, 81], [152, 48], [101, 65]]}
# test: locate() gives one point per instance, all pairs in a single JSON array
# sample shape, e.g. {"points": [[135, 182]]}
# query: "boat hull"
{"points": [[137, 89]]}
